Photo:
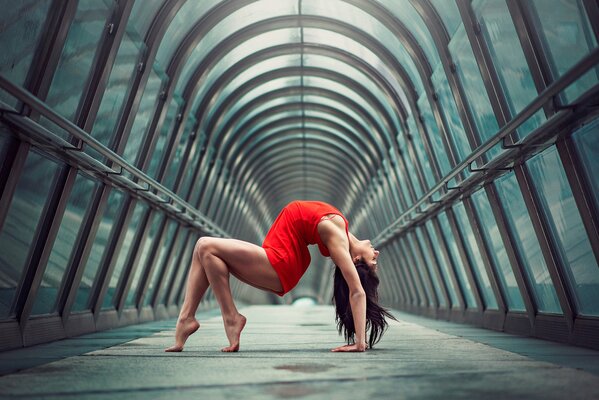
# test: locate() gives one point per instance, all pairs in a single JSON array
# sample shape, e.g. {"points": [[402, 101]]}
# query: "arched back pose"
{"points": [[279, 264]]}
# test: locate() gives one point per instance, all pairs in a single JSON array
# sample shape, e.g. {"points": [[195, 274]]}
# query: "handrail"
{"points": [[171, 199], [592, 59]]}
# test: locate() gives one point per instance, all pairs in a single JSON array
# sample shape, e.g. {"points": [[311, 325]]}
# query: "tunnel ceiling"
{"points": [[294, 99]]}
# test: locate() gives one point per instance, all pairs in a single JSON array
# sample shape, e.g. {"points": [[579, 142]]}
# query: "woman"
{"points": [[278, 265]]}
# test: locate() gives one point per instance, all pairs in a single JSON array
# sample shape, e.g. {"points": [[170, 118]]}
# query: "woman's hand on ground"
{"points": [[355, 348]]}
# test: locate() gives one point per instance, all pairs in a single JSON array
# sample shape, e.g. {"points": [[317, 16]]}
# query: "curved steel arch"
{"points": [[197, 79], [288, 91], [322, 123], [231, 134], [282, 150], [292, 71], [287, 145], [313, 137], [239, 144]]}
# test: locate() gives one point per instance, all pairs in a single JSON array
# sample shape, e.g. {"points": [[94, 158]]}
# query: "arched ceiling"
{"points": [[295, 98]]}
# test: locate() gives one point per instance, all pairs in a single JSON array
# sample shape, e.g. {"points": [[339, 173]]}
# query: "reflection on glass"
{"points": [[118, 272], [77, 57], [560, 209], [159, 263], [472, 248], [434, 135], [418, 270], [63, 245], [567, 37], [183, 267], [121, 76], [234, 21], [21, 24], [182, 23], [143, 117], [406, 13], [142, 15], [445, 269], [474, 88], [156, 223], [525, 241], [449, 13], [497, 253], [428, 261], [455, 129], [587, 144], [172, 268], [508, 58], [410, 167], [107, 224], [459, 266], [420, 150], [21, 223]]}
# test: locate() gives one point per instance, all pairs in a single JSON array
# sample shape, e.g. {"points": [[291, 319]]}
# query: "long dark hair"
{"points": [[375, 314]]}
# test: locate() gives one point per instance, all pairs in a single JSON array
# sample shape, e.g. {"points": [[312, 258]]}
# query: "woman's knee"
{"points": [[203, 246]]}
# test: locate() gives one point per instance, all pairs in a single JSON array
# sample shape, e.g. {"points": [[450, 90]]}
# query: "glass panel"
{"points": [[123, 255], [190, 169], [508, 58], [428, 261], [587, 144], [235, 21], [434, 135], [445, 271], [143, 258], [163, 136], [21, 24], [423, 159], [403, 147], [184, 264], [121, 77], [477, 264], [567, 38], [6, 139], [190, 13], [21, 222], [175, 164], [525, 241], [107, 224], [474, 89], [63, 245], [449, 112], [567, 230], [159, 262], [172, 268], [405, 12], [77, 59], [497, 253], [372, 27], [143, 117], [449, 13], [459, 267], [417, 271], [143, 14], [245, 49]]}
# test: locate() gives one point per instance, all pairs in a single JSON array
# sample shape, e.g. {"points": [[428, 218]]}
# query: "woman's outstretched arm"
{"points": [[334, 237]]}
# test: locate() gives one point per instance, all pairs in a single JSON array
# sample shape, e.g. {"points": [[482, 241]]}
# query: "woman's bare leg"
{"points": [[197, 284], [248, 262]]}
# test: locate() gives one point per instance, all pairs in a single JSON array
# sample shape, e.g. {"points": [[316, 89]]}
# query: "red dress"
{"points": [[287, 241]]}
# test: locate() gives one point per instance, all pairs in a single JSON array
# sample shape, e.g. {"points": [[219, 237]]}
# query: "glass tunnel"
{"points": [[462, 137]]}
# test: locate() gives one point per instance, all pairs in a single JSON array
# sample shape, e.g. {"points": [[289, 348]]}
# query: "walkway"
{"points": [[285, 355]]}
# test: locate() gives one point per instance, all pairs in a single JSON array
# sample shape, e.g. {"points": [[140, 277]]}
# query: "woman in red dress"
{"points": [[279, 264]]}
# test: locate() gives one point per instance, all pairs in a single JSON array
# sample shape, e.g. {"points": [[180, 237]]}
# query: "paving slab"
{"points": [[285, 354]]}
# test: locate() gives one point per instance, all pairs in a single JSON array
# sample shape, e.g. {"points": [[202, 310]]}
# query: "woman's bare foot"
{"points": [[233, 330], [185, 327]]}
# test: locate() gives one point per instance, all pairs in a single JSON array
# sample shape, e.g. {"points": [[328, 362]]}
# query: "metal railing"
{"points": [[140, 184], [442, 188]]}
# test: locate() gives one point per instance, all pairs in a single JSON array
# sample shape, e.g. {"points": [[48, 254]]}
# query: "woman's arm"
{"points": [[333, 236]]}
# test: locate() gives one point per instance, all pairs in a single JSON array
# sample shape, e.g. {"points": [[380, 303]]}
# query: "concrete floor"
{"points": [[285, 355]]}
